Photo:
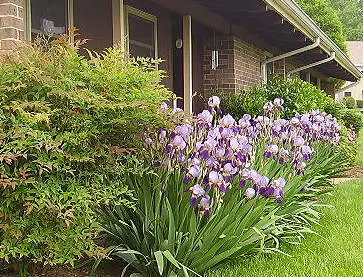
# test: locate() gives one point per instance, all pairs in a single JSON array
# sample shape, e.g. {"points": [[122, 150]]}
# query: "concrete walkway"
{"points": [[342, 180]]}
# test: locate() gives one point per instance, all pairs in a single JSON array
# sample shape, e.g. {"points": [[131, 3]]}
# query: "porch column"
{"points": [[188, 64], [119, 37]]}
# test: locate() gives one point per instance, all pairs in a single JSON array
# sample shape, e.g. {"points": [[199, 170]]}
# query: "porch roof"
{"points": [[285, 26]]}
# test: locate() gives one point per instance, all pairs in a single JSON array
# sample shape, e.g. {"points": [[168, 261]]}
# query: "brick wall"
{"points": [[239, 65], [12, 23], [247, 66], [221, 79]]}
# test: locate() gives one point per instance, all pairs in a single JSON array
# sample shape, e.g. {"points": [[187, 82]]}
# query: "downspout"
{"points": [[286, 55], [332, 57]]}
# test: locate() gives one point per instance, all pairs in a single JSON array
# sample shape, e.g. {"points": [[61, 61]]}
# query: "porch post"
{"points": [[118, 23], [188, 62]]}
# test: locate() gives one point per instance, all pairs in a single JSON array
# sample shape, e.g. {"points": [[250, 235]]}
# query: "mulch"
{"points": [[107, 270], [355, 172]]}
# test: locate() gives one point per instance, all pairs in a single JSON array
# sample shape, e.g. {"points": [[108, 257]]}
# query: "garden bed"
{"points": [[108, 270]]}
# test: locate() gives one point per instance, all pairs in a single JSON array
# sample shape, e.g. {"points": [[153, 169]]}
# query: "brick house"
{"points": [[208, 45]]}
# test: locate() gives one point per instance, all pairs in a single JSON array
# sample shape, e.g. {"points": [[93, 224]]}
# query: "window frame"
{"points": [[345, 94], [144, 15], [28, 17]]}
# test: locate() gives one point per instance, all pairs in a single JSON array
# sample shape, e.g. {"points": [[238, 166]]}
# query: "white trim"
{"points": [[10, 39], [144, 15], [331, 57], [70, 16], [12, 4], [294, 14], [27, 20], [118, 22], [188, 64], [9, 27], [285, 55], [10, 15]]}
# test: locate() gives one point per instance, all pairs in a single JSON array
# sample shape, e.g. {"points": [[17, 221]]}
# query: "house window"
{"points": [[47, 17], [347, 94], [92, 18], [303, 76], [314, 80], [142, 33]]}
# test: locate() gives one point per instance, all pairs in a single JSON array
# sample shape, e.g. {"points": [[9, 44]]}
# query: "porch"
{"points": [[207, 47]]}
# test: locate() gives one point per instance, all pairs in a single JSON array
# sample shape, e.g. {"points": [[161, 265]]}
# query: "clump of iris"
{"points": [[216, 152]]}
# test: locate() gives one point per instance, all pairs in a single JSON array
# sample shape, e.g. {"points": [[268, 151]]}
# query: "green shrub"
{"points": [[353, 120], [347, 147], [360, 103], [244, 102], [65, 124], [298, 96], [349, 102], [335, 108]]}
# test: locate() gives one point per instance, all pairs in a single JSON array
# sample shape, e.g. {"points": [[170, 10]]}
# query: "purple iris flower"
{"points": [[194, 171], [163, 106], [242, 183], [299, 141], [205, 202], [205, 117], [250, 193], [215, 177], [178, 142], [271, 151], [214, 102], [306, 152], [197, 190], [162, 134], [227, 121]]}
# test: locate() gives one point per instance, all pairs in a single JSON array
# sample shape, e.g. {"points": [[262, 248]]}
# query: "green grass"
{"points": [[359, 158], [339, 252]]}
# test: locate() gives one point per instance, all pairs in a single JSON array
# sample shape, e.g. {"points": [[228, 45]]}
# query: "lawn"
{"points": [[339, 252]]}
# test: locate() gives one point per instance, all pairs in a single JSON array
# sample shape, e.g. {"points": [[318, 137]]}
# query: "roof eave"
{"points": [[293, 13]]}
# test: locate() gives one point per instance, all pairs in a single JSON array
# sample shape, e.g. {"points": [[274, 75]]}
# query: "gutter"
{"points": [[285, 55], [293, 13], [332, 57]]}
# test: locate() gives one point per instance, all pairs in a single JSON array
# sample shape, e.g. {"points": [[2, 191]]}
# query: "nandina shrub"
{"points": [[213, 189], [65, 124]]}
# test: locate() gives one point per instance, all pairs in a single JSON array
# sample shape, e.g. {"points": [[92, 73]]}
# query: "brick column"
{"points": [[223, 78], [239, 65], [12, 23]]}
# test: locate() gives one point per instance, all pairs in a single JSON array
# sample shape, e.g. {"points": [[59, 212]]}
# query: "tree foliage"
{"points": [[351, 15], [327, 18]]}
